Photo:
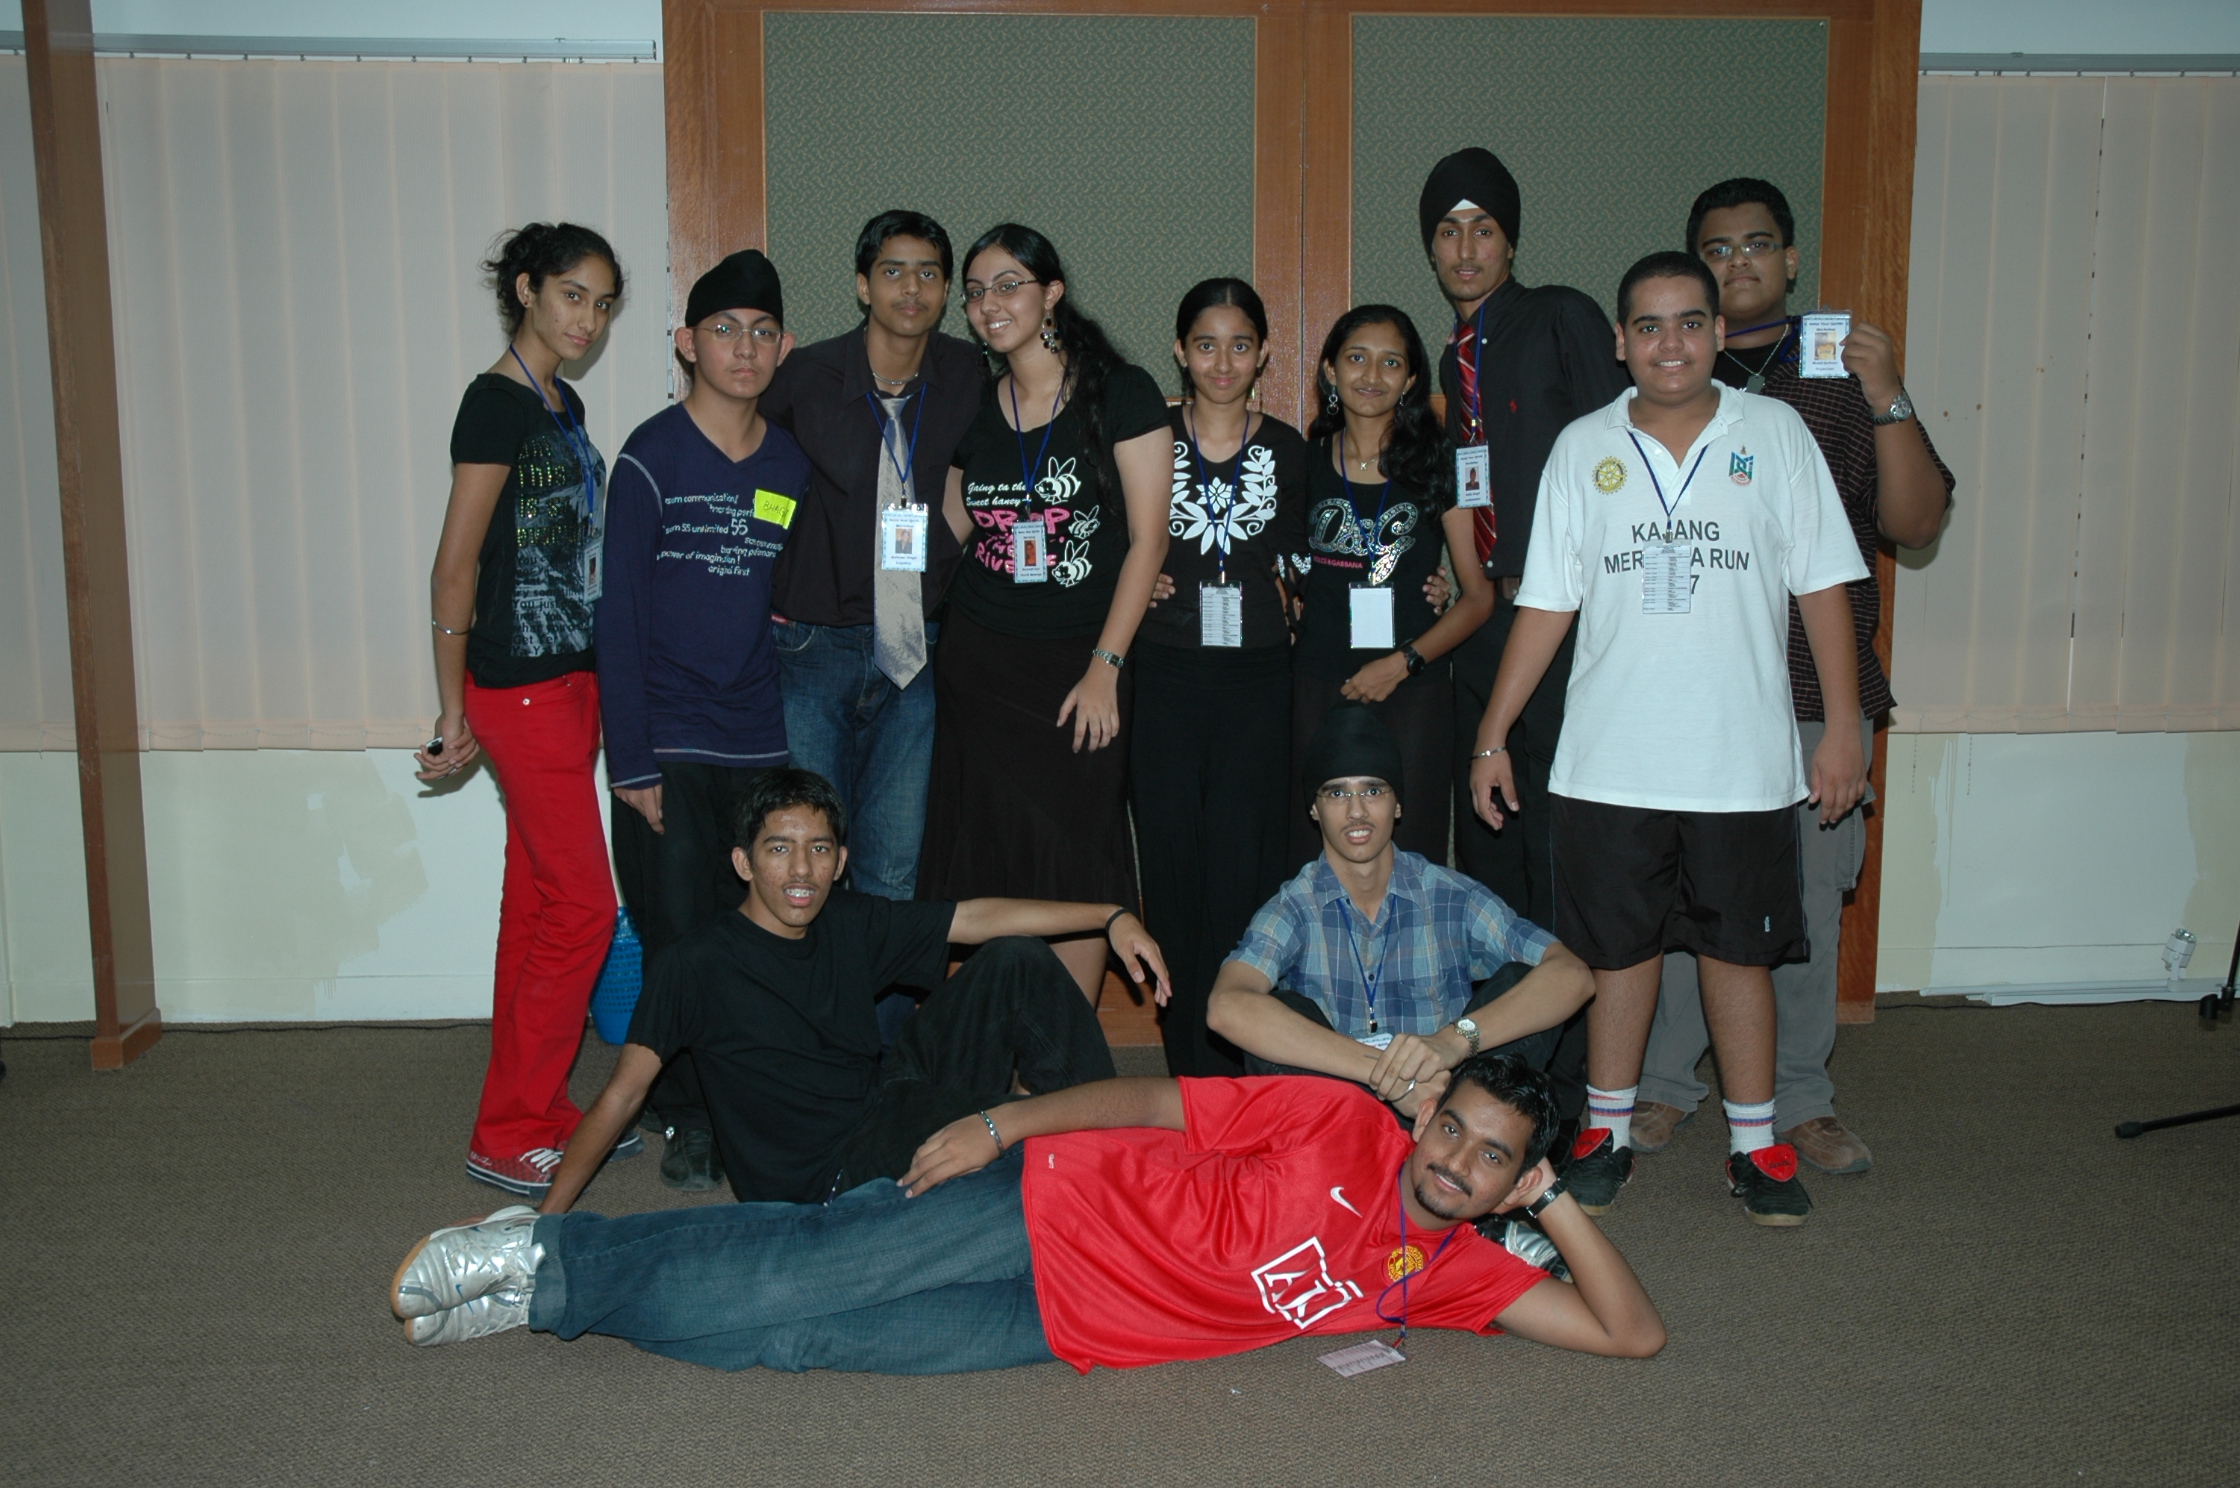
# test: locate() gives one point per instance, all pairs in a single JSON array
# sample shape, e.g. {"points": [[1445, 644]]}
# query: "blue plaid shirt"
{"points": [[1437, 933]]}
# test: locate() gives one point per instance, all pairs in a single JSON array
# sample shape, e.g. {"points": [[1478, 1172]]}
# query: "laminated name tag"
{"points": [[1376, 1040], [1822, 352], [1666, 588], [1372, 618], [1030, 552], [1473, 476], [1220, 614], [902, 539], [1362, 1357]]}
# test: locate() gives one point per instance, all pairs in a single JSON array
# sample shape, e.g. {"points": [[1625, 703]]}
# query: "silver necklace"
{"points": [[1755, 382]]}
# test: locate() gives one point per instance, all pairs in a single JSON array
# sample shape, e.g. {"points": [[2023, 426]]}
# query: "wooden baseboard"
{"points": [[116, 1050], [1128, 1023]]}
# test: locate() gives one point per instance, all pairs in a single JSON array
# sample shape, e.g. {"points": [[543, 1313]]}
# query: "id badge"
{"points": [[1361, 1358], [592, 556], [902, 539], [1220, 614], [1666, 588], [1822, 355], [1376, 1040], [1372, 617], [1473, 476], [1030, 551]]}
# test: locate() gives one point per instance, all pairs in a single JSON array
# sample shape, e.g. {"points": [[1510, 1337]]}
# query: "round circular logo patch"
{"points": [[1404, 1261], [1609, 475]]}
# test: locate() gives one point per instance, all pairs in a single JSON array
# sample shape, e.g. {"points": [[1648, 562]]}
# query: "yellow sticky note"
{"points": [[769, 506]]}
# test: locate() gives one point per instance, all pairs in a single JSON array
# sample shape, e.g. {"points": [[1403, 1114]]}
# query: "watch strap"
{"points": [[1901, 409], [1548, 1195]]}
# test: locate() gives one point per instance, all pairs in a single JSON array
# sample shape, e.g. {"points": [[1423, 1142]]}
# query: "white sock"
{"points": [[1612, 1111], [1748, 1127]]}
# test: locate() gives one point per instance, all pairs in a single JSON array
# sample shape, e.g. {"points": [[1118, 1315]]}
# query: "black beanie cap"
{"points": [[1353, 742], [1472, 175], [744, 281]]}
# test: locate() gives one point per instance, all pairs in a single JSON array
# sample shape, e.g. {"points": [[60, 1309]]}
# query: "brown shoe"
{"points": [[1654, 1122], [1827, 1145]]}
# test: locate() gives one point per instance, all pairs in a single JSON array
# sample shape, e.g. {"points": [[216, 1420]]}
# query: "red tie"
{"points": [[1473, 428]]}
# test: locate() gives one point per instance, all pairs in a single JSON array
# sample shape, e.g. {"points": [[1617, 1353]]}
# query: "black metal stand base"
{"points": [[2213, 1007]]}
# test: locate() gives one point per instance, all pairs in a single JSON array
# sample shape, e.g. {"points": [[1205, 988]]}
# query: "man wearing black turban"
{"points": [[1520, 365]]}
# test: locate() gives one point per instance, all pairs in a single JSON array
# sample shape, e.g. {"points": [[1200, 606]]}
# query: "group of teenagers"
{"points": [[933, 678]]}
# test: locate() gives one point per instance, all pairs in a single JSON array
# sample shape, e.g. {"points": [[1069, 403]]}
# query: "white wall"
{"points": [[283, 884], [2055, 859], [2066, 27], [525, 20]]}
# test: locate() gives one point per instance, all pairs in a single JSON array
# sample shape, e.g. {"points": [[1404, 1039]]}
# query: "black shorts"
{"points": [[1632, 883]]}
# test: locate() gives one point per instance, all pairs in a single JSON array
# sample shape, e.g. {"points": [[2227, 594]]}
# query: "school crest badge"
{"points": [[1609, 475], [1739, 466], [1404, 1261]]}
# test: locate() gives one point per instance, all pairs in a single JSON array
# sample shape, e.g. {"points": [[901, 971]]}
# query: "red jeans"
{"points": [[558, 912]]}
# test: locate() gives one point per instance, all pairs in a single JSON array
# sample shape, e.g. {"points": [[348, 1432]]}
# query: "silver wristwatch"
{"points": [[1899, 412], [1468, 1028]]}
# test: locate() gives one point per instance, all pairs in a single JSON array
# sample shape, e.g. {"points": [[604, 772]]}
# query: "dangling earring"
{"points": [[1330, 400], [1049, 333]]}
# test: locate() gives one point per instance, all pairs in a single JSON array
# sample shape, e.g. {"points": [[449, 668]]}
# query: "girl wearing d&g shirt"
{"points": [[1380, 516], [1058, 495], [516, 575]]}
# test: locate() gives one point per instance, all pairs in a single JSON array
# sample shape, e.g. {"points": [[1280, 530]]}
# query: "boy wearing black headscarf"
{"points": [[1521, 363]]}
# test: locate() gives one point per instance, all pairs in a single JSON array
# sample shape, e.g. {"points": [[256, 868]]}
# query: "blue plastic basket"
{"points": [[616, 996]]}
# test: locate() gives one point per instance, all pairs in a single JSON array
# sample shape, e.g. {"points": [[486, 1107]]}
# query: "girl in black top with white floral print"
{"points": [[1213, 686]]}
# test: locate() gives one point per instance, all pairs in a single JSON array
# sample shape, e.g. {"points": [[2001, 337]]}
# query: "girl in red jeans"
{"points": [[516, 576]]}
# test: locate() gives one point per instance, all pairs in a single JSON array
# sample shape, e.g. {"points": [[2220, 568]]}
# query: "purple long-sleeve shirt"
{"points": [[686, 667]]}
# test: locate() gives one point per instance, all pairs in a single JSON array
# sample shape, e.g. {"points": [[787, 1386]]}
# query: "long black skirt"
{"points": [[1012, 811]]}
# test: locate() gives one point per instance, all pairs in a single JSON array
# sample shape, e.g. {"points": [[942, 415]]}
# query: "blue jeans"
{"points": [[846, 721], [872, 1281]]}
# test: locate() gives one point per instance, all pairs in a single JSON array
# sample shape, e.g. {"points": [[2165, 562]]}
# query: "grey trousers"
{"points": [[1804, 992]]}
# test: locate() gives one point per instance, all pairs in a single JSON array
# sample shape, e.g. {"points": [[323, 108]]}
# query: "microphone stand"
{"points": [[2213, 1005]]}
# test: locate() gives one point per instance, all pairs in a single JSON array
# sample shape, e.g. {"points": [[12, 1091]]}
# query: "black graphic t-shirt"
{"points": [[1087, 544], [534, 593], [1251, 507], [1345, 534]]}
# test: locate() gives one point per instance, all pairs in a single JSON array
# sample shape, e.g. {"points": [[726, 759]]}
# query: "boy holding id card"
{"points": [[1381, 518], [1675, 525]]}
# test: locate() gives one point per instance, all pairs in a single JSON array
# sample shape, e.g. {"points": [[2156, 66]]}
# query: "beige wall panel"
{"points": [[2156, 544], [298, 309], [2000, 309], [34, 624]]}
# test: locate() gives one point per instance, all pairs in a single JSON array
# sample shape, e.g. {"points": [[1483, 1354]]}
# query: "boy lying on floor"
{"points": [[1123, 1222]]}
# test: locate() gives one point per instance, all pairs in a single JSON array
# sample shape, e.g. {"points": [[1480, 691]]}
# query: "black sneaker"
{"points": [[1766, 1182], [688, 1160], [1597, 1170]]}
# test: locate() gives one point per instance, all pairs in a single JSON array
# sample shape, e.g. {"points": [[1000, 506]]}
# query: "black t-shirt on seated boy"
{"points": [[1258, 498], [1086, 543], [1344, 532], [783, 1031]]}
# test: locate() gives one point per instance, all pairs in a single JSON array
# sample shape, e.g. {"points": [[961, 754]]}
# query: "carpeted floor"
{"points": [[196, 1250]]}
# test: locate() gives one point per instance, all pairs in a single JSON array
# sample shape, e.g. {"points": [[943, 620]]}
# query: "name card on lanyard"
{"points": [[1030, 536], [1473, 462], [1369, 607], [591, 512], [903, 527], [1667, 586], [1221, 603]]}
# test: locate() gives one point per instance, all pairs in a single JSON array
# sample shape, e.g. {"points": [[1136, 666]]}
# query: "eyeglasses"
{"points": [[727, 332], [1755, 248], [1338, 794], [1002, 289]]}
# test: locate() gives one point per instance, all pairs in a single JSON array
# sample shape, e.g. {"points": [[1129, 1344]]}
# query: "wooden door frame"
{"points": [[1303, 191]]}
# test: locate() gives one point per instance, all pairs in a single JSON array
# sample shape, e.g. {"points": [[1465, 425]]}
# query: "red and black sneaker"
{"points": [[1766, 1182], [1597, 1170], [529, 1175]]}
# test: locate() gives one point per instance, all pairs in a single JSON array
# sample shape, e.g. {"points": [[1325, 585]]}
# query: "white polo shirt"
{"points": [[1684, 711]]}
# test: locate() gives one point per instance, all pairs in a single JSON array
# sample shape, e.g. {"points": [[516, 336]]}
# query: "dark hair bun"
{"points": [[540, 250]]}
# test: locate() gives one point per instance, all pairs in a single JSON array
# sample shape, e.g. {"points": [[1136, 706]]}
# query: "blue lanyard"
{"points": [[1026, 471], [572, 431], [1674, 504], [909, 473], [1236, 477], [1405, 1271], [1345, 903], [1355, 506]]}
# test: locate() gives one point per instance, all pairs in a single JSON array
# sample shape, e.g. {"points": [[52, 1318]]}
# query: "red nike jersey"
{"points": [[1275, 1212]]}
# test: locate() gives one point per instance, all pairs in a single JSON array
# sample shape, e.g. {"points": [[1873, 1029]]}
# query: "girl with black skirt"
{"points": [[1213, 666], [1058, 496], [1380, 515]]}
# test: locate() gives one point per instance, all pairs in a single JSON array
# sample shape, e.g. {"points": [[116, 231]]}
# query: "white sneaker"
{"points": [[454, 1266], [492, 1312]]}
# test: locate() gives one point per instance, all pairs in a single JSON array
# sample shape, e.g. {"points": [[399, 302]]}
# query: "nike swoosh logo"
{"points": [[1340, 1195]]}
